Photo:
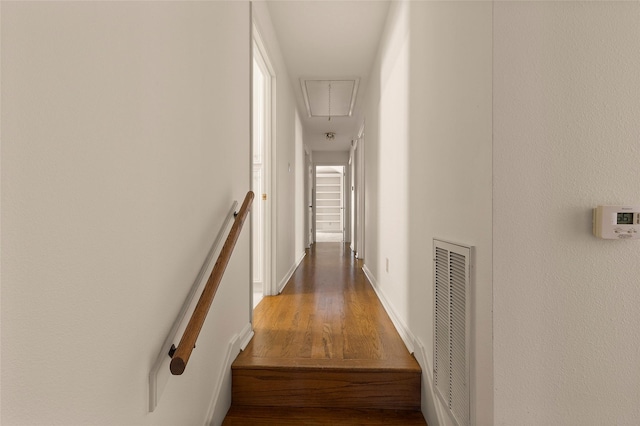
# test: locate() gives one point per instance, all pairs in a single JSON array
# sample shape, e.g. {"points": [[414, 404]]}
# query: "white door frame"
{"points": [[309, 199], [346, 213], [353, 163], [259, 52], [359, 183]]}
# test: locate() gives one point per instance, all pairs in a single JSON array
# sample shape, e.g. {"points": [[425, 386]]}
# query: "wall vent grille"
{"points": [[452, 328]]}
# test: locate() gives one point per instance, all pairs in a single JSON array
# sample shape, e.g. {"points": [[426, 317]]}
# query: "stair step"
{"points": [[286, 416], [325, 353], [362, 388]]}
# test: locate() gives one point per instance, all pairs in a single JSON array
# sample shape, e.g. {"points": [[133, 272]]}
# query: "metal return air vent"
{"points": [[452, 329]]}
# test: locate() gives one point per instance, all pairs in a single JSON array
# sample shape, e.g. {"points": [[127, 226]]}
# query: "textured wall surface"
{"points": [[428, 170], [566, 138], [125, 138], [451, 168], [330, 157], [287, 140]]}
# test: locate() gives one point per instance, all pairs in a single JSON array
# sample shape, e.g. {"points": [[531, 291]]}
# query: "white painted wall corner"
{"points": [[407, 337], [289, 274], [431, 405], [222, 396]]}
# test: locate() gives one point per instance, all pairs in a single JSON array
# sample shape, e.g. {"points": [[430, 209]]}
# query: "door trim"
{"points": [[346, 212], [269, 249]]}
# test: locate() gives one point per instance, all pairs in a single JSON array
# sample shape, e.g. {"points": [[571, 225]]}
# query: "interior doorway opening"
{"points": [[261, 98], [330, 218]]}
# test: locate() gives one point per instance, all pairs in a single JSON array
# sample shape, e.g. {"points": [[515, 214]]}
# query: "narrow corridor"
{"points": [[325, 352], [328, 314]]}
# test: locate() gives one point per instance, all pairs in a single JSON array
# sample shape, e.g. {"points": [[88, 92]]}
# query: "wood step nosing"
{"points": [[276, 368]]}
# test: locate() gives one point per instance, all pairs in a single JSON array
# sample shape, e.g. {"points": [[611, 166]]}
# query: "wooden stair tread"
{"points": [[401, 364], [287, 416], [325, 352]]}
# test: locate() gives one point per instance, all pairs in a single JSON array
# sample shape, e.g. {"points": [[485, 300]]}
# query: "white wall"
{"points": [[450, 172], [330, 157], [125, 140], [289, 160], [428, 171], [567, 138]]}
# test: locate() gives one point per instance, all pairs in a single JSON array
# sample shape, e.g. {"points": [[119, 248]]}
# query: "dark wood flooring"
{"points": [[325, 352]]}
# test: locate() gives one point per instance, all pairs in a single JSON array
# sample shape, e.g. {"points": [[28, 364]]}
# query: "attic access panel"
{"points": [[329, 98]]}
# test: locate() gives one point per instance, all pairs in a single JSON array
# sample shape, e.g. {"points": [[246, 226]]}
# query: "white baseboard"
{"points": [[430, 403], [245, 336], [289, 274], [222, 396], [405, 334]]}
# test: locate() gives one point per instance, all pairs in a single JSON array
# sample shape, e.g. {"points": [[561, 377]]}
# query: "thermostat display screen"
{"points": [[625, 219]]}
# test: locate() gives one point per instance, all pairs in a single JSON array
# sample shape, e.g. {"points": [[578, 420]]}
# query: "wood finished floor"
{"points": [[327, 316], [325, 353]]}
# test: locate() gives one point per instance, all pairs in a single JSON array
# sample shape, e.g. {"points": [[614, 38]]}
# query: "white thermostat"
{"points": [[616, 222]]}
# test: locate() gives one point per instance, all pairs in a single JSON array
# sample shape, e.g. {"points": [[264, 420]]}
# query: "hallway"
{"points": [[328, 314], [126, 139], [328, 320]]}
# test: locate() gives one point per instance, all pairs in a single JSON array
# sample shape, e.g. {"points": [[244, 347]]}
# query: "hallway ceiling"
{"points": [[329, 40], [329, 98]]}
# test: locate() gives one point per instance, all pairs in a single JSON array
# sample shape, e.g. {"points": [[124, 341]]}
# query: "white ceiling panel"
{"points": [[330, 98]]}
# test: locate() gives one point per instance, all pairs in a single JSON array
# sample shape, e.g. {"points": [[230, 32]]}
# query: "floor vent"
{"points": [[452, 328]]}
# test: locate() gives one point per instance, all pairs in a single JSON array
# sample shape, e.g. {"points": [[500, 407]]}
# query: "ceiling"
{"points": [[329, 98], [324, 41]]}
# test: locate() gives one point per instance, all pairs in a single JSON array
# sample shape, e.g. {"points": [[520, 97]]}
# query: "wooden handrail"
{"points": [[188, 341]]}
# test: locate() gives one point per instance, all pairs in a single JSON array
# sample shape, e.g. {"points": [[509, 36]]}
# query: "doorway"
{"points": [[310, 195], [262, 119], [330, 218]]}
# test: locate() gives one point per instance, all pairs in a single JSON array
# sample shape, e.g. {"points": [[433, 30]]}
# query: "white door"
{"points": [[310, 239], [360, 200], [351, 190], [261, 143]]}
